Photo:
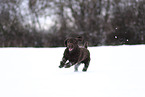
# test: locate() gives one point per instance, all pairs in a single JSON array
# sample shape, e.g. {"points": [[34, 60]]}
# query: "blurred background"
{"points": [[47, 23]]}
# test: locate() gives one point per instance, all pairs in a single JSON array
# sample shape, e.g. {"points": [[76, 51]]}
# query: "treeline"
{"points": [[100, 22]]}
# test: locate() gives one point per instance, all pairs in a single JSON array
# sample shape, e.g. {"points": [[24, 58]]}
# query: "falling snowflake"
{"points": [[115, 36]]}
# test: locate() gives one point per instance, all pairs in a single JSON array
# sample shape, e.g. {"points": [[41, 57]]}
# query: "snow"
{"points": [[114, 71]]}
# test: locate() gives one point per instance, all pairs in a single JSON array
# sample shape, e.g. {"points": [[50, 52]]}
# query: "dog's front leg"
{"points": [[69, 64], [62, 63]]}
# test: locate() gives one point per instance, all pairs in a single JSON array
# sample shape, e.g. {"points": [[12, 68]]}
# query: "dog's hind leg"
{"points": [[86, 66], [76, 66]]}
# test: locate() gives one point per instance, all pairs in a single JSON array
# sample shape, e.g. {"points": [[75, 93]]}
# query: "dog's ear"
{"points": [[65, 42], [86, 44], [79, 38]]}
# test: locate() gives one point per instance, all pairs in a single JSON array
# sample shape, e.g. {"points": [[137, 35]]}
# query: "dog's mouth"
{"points": [[70, 47]]}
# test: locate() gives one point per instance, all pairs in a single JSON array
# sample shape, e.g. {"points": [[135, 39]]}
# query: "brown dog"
{"points": [[75, 54]]}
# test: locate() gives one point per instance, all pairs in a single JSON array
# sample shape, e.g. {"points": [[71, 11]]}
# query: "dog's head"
{"points": [[72, 43]]}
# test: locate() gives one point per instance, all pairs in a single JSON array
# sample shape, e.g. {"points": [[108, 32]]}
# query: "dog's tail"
{"points": [[86, 44]]}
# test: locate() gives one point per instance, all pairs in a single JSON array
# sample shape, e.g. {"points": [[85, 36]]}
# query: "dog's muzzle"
{"points": [[70, 46]]}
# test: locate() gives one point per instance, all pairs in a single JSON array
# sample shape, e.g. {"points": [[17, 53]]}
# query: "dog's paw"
{"points": [[84, 70], [60, 66], [67, 66]]}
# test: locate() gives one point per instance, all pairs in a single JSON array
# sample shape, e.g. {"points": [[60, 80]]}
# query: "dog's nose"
{"points": [[70, 45]]}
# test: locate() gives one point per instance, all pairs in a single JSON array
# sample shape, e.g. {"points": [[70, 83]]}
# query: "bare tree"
{"points": [[98, 21]]}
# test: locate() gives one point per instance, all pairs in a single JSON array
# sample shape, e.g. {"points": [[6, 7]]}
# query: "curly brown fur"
{"points": [[75, 54]]}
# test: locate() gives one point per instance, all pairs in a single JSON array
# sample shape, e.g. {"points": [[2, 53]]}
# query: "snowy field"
{"points": [[114, 71]]}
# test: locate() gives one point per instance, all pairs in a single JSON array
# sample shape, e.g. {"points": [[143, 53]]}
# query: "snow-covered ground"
{"points": [[114, 71]]}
